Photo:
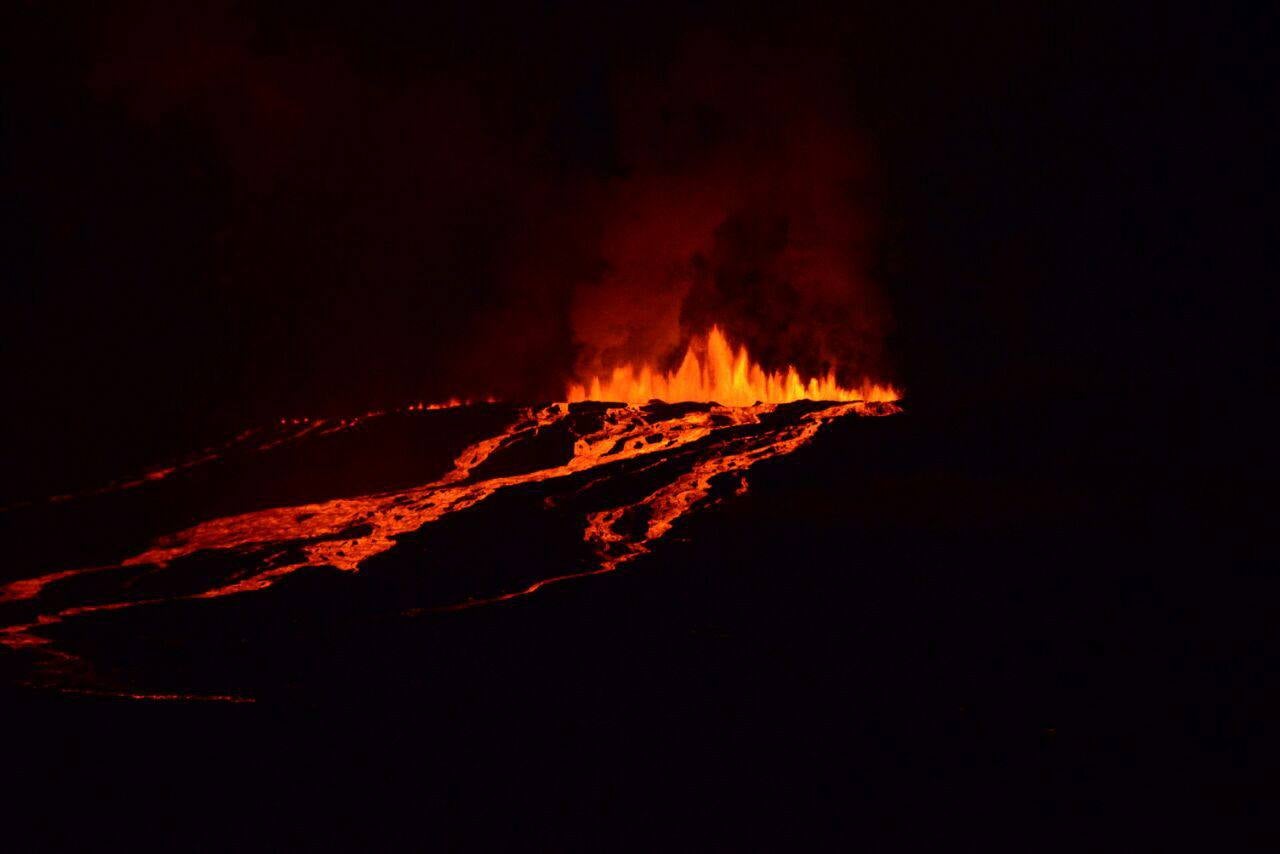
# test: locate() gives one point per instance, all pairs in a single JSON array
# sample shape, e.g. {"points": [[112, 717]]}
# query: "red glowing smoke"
{"points": [[740, 205]]}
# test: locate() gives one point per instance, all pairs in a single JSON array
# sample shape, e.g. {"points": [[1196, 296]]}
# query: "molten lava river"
{"points": [[558, 491]]}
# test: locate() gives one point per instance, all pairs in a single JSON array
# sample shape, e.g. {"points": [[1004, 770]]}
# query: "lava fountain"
{"points": [[712, 371]]}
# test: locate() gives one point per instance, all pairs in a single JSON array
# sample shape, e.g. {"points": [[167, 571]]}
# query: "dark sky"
{"points": [[253, 210]]}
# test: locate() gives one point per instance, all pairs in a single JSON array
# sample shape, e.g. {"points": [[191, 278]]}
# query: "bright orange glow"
{"points": [[712, 371]]}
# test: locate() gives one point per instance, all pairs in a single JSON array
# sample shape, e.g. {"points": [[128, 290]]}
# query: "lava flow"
{"points": [[627, 473], [712, 370]]}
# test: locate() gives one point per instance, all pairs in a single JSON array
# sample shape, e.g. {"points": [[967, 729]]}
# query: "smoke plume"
{"points": [[738, 204]]}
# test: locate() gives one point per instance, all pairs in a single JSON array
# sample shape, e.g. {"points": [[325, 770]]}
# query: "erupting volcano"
{"points": [[620, 474]]}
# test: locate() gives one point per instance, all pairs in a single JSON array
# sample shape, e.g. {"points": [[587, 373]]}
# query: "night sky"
{"points": [[224, 216]]}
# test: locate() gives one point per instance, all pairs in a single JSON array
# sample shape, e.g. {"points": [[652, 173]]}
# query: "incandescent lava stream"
{"points": [[627, 471]]}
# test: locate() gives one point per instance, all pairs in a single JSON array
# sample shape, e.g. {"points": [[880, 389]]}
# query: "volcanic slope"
{"points": [[420, 511]]}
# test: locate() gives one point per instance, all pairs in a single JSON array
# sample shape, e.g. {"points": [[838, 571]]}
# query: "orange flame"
{"points": [[721, 375]]}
